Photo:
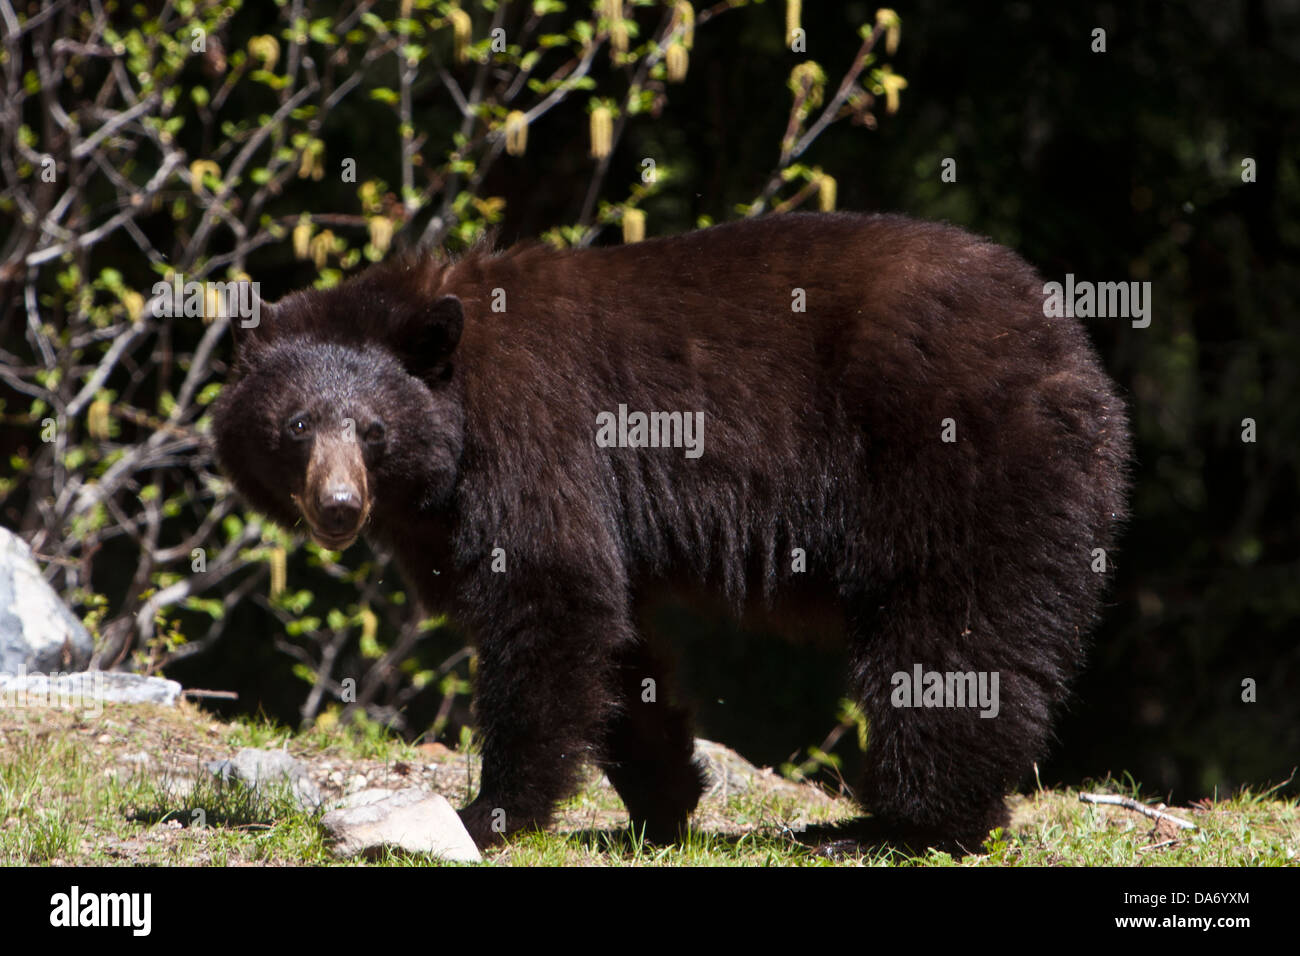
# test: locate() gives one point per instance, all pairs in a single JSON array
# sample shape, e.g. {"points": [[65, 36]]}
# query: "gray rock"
{"points": [[179, 787], [262, 769], [411, 820], [37, 631], [728, 771], [87, 690]]}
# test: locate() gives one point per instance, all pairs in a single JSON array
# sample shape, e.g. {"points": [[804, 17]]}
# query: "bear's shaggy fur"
{"points": [[465, 439]]}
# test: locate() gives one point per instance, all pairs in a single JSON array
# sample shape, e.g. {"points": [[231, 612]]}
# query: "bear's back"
{"points": [[787, 326], [826, 354]]}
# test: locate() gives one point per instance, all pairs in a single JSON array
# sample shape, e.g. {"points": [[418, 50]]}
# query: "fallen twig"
{"points": [[1156, 846], [219, 694], [1128, 803]]}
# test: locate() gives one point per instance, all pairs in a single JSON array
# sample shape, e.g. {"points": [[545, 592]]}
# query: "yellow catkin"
{"points": [[891, 82], [602, 132], [97, 419], [893, 27], [793, 16], [302, 240], [311, 164], [369, 625], [613, 12], [678, 60], [633, 225], [369, 196], [265, 48], [810, 75], [133, 302], [516, 133], [460, 25], [684, 14], [277, 572], [321, 247], [200, 168], [381, 232], [826, 186]]}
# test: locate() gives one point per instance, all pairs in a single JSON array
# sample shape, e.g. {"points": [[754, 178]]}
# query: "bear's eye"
{"points": [[375, 433], [299, 426]]}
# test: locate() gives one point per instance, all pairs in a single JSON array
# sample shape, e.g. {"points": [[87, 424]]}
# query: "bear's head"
{"points": [[345, 409]]}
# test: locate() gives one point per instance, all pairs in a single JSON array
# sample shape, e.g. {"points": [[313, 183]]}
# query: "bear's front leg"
{"points": [[543, 693]]}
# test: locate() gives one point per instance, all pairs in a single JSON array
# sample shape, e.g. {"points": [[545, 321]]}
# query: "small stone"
{"points": [[178, 787], [258, 769]]}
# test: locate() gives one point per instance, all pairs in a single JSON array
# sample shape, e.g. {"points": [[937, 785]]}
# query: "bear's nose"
{"points": [[340, 511]]}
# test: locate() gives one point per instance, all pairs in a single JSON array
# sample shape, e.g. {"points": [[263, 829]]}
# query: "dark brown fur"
{"points": [[822, 432]]}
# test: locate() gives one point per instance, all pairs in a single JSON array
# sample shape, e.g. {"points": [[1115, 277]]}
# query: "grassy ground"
{"points": [[123, 788]]}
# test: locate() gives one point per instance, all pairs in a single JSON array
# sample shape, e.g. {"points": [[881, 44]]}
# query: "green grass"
{"points": [[74, 791]]}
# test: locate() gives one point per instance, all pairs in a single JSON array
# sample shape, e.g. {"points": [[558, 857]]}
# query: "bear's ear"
{"points": [[252, 332], [429, 336]]}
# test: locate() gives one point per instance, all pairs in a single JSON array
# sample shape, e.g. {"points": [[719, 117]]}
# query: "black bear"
{"points": [[859, 419]]}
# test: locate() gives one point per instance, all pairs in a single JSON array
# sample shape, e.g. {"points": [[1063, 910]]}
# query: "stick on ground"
{"points": [[1128, 803]]}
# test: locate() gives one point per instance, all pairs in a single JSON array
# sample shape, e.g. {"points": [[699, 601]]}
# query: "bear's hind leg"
{"points": [[649, 747], [937, 770]]}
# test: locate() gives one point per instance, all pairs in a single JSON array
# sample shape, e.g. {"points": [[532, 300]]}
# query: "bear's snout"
{"points": [[339, 511], [336, 502]]}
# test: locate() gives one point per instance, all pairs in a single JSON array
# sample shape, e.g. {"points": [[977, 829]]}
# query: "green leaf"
{"points": [[273, 80], [209, 606], [320, 32], [370, 648]]}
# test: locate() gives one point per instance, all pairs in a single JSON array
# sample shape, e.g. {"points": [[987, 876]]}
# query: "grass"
{"points": [[129, 788]]}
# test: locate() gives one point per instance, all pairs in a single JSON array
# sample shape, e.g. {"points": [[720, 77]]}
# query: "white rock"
{"points": [[412, 820], [38, 634]]}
